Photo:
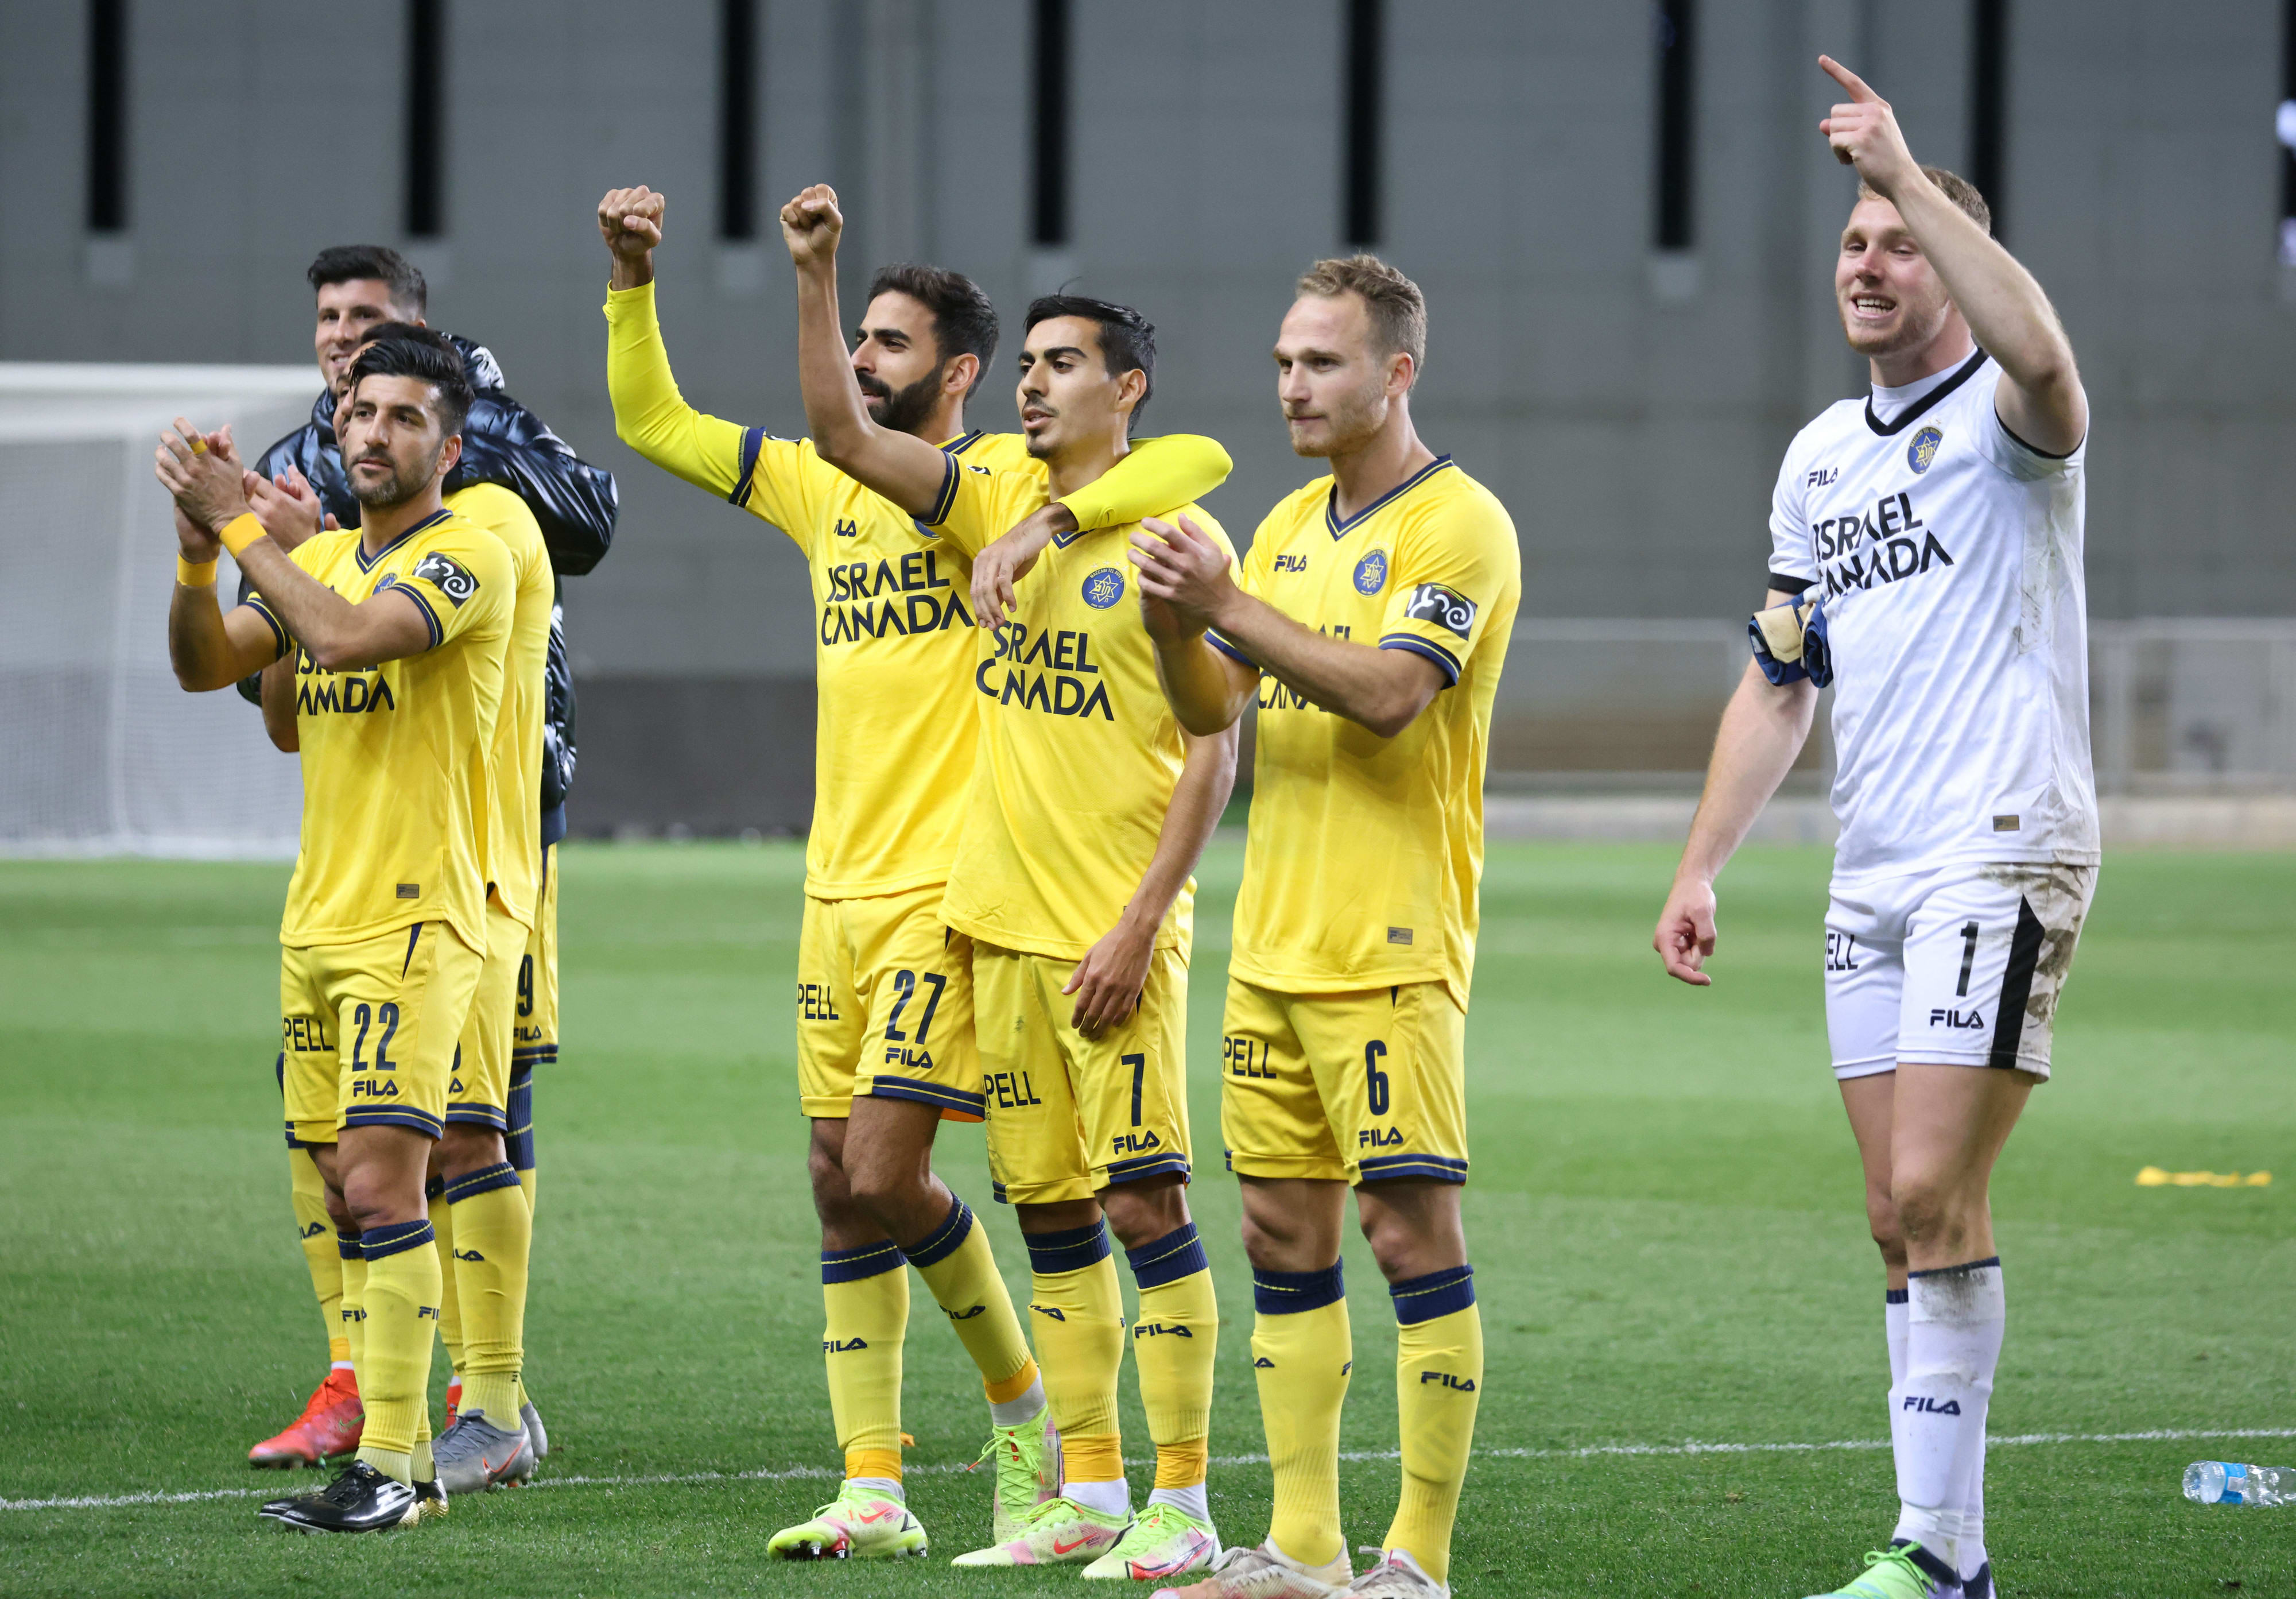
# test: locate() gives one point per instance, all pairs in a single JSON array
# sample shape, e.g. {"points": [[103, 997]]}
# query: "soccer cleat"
{"points": [[1397, 1576], [429, 1503], [360, 1499], [1980, 1585], [1266, 1572], [1891, 1573], [329, 1426], [1027, 1472], [857, 1525], [474, 1455], [1162, 1541], [1057, 1532], [535, 1435]]}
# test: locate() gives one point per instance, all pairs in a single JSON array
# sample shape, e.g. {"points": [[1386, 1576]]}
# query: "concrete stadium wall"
{"points": [[1633, 427]]}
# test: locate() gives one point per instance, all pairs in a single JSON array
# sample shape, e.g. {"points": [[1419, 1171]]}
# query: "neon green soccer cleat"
{"points": [[1891, 1574], [1058, 1532], [1028, 1459], [855, 1525], [1162, 1541]]}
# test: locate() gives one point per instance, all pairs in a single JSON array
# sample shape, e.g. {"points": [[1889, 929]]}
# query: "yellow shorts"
{"points": [[535, 1040], [1068, 1115], [480, 1093], [885, 1006], [1364, 1087], [370, 1030]]}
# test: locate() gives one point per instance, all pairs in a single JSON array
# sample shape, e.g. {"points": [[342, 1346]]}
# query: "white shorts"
{"points": [[1960, 964]]}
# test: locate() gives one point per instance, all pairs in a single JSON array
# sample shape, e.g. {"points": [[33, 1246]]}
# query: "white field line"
{"points": [[1588, 1452]]}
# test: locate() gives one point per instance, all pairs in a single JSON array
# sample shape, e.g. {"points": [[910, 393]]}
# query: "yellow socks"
{"points": [[957, 1266], [1078, 1316], [1302, 1353], [866, 1295], [493, 1236], [353, 1309], [1174, 1343], [450, 1301], [307, 1192], [402, 1321], [1438, 1368]]}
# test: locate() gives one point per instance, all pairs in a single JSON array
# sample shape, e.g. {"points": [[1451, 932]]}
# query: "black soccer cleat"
{"points": [[1980, 1585], [360, 1499]]}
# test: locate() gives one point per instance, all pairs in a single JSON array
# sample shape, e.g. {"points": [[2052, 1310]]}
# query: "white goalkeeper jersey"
{"points": [[1949, 554]]}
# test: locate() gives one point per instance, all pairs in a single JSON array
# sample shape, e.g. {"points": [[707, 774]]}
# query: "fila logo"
{"points": [[355, 1316], [1265, 1364], [832, 1346], [848, 529], [314, 1230], [1349, 1366], [1049, 1310], [419, 1312], [1291, 563], [1378, 1138], [1465, 1385], [1153, 1329], [1824, 477], [963, 1316], [469, 1255], [1973, 1021], [1931, 1406], [1134, 1144]]}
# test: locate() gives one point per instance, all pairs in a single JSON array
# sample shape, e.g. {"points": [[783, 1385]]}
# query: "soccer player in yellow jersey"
{"points": [[480, 1210], [407, 626], [884, 997], [1087, 811], [1370, 622]]}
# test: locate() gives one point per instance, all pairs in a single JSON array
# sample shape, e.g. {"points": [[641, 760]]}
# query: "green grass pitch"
{"points": [[1664, 1220]]}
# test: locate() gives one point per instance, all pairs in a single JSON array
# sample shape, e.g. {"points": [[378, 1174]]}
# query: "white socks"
{"points": [[1954, 1321], [1027, 1408], [1188, 1501], [1109, 1499]]}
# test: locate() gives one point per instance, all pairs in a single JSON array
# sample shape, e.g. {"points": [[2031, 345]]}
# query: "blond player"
{"points": [[1087, 810], [884, 1001], [405, 626], [1369, 622]]}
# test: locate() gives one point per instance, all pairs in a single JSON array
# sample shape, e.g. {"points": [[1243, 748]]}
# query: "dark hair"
{"points": [[965, 319], [355, 263], [1127, 339], [428, 356]]}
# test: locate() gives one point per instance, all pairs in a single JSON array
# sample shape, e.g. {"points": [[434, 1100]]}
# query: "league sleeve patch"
{"points": [[448, 576], [1445, 607]]}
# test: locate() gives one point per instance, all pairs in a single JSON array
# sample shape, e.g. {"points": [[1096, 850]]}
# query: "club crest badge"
{"points": [[1103, 587], [1924, 449], [1371, 573]]}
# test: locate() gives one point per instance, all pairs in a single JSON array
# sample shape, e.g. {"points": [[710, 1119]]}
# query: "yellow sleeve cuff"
{"points": [[1156, 476], [195, 574], [242, 532]]}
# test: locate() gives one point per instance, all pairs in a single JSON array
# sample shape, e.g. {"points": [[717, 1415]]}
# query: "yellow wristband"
{"points": [[242, 532], [199, 574]]}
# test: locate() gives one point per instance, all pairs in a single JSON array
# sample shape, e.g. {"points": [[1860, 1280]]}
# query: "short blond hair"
{"points": [[1398, 311], [1957, 189]]}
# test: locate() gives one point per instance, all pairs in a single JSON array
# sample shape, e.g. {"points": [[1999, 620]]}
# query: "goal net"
{"points": [[100, 752]]}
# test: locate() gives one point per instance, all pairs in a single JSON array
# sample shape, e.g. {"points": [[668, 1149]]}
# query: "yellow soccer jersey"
{"points": [[1078, 751], [896, 731], [1365, 853], [397, 789], [514, 823]]}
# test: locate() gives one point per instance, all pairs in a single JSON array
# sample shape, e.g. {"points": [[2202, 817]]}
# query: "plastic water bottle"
{"points": [[2222, 1482]]}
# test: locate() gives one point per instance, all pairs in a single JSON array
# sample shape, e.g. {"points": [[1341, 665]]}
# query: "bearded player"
{"points": [[884, 1001], [1072, 882], [1926, 560]]}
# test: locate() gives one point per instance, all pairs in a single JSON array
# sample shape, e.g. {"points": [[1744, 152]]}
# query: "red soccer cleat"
{"points": [[329, 1426]]}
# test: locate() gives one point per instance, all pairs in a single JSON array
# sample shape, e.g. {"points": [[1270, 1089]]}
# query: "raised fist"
{"points": [[810, 227]]}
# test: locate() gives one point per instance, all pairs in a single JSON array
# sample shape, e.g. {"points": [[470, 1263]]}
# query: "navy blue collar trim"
{"points": [[366, 562], [1968, 371], [1332, 503], [958, 446]]}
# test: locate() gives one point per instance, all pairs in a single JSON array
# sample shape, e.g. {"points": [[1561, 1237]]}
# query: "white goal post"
{"points": [[100, 752]]}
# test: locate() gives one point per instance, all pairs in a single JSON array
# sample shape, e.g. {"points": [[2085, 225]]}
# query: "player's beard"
{"points": [[903, 410], [1349, 424], [390, 492]]}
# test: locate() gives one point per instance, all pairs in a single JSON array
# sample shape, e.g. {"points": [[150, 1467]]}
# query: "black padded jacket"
{"points": [[506, 444]]}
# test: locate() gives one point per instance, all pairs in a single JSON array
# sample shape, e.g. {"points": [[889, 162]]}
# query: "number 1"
{"points": [[1968, 958], [1139, 1065]]}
